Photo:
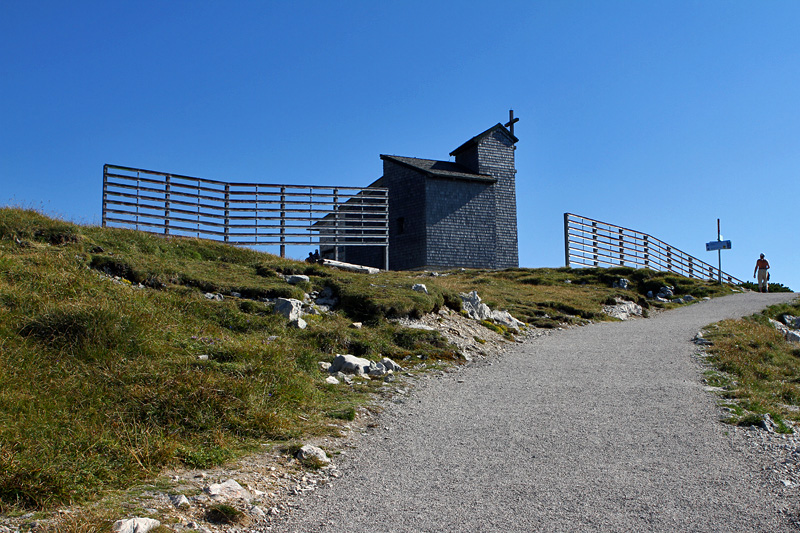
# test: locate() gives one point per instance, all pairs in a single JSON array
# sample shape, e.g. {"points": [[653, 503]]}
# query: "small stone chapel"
{"points": [[450, 214]]}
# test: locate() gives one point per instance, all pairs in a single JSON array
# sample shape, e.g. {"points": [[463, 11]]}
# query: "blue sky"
{"points": [[657, 116]]}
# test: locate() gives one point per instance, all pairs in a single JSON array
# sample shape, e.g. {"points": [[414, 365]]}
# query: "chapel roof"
{"points": [[475, 140], [439, 169]]}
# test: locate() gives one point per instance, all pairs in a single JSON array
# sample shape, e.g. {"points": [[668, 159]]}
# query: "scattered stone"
{"points": [[767, 423], [135, 525], [357, 325], [349, 364], [700, 340], [791, 321], [236, 294], [297, 278], [298, 323], [313, 454], [391, 365], [621, 284], [326, 298], [332, 380], [257, 512], [180, 501], [229, 490], [377, 369], [214, 296], [666, 292], [324, 366], [419, 287], [788, 334], [203, 357], [504, 318], [289, 307]]}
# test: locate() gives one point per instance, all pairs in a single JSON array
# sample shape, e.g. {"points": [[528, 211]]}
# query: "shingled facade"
{"points": [[445, 214]]}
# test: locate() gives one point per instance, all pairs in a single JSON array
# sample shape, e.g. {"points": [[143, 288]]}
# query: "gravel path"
{"points": [[601, 428]]}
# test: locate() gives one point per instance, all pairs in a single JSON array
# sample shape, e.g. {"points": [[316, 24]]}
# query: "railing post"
{"points": [[336, 224], [227, 209], [138, 184], [105, 193], [691, 267], [166, 205], [621, 248], [566, 240], [646, 252], [594, 242], [669, 258], [283, 221]]}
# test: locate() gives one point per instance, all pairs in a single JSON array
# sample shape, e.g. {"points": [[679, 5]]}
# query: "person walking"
{"points": [[762, 267]]}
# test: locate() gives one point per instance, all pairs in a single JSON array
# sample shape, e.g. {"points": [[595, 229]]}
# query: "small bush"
{"points": [[223, 513]]}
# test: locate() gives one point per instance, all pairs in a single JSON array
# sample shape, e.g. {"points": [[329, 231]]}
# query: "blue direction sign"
{"points": [[718, 245]]}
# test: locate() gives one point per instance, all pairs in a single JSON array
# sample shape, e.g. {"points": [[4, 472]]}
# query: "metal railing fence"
{"points": [[589, 242], [245, 213]]}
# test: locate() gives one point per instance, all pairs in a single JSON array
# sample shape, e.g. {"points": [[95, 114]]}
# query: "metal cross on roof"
{"points": [[511, 121]]}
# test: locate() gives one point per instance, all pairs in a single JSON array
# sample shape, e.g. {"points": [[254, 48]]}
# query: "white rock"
{"points": [[314, 453], [332, 380], [473, 306], [296, 278], [504, 318], [228, 490], [257, 511], [213, 296], [377, 369], [621, 284], [349, 364], [391, 365], [419, 287], [135, 525], [324, 366], [289, 307], [180, 501], [299, 323], [623, 310]]}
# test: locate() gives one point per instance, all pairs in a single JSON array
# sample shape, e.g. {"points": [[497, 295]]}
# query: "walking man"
{"points": [[762, 266]]}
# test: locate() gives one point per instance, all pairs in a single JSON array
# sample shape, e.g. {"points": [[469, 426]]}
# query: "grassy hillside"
{"points": [[757, 369], [101, 333]]}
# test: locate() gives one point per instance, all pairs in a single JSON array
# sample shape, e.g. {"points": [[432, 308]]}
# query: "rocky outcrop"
{"points": [[477, 310], [790, 334], [623, 309]]}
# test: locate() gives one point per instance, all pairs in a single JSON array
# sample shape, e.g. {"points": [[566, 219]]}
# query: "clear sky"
{"points": [[658, 116]]}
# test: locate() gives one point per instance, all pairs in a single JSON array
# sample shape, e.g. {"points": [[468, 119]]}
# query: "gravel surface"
{"points": [[600, 428]]}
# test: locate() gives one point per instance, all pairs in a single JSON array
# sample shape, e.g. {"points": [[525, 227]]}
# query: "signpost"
{"points": [[718, 245]]}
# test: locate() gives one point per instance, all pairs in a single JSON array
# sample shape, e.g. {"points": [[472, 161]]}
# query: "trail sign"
{"points": [[718, 245]]}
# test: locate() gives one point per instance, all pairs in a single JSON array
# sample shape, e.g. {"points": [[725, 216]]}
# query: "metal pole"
{"points": [[566, 240]]}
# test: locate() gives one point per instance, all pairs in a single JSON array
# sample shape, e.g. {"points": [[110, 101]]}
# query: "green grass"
{"points": [[101, 381], [759, 370]]}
